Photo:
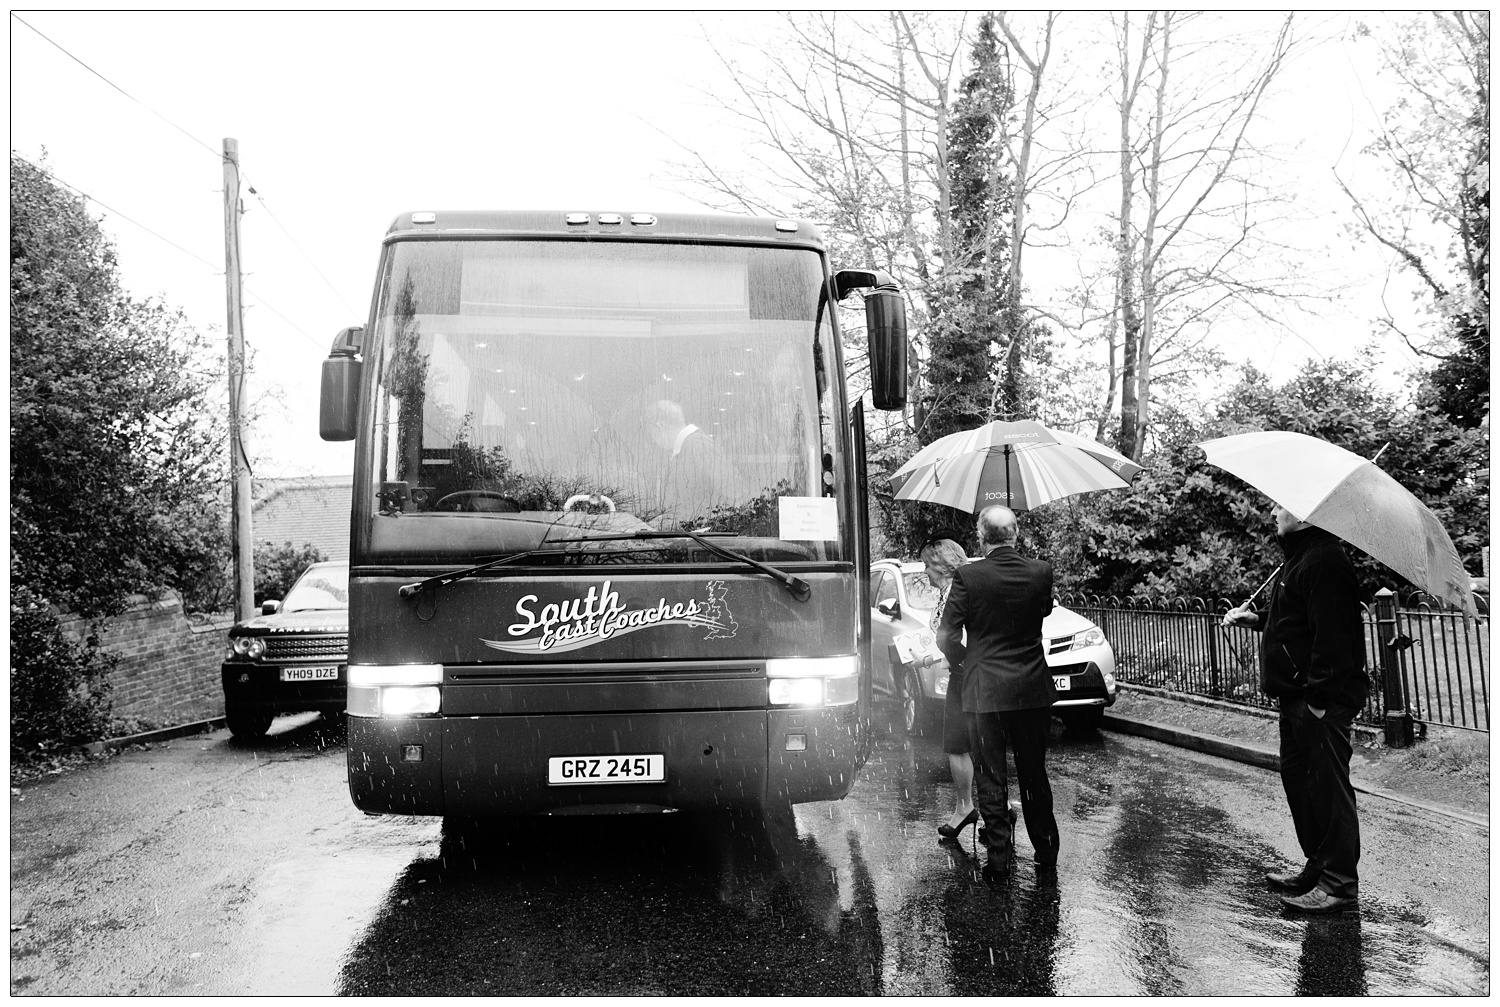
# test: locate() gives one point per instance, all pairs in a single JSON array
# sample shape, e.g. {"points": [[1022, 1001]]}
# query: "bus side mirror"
{"points": [[338, 407], [885, 324]]}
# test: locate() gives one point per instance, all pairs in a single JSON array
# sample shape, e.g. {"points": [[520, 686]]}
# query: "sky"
{"points": [[346, 120]]}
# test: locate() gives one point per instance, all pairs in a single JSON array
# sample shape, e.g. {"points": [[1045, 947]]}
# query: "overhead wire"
{"points": [[94, 199], [117, 87], [216, 270], [218, 155], [266, 206]]}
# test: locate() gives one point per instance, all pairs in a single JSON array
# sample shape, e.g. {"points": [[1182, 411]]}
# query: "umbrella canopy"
{"points": [[1019, 464], [1349, 496]]}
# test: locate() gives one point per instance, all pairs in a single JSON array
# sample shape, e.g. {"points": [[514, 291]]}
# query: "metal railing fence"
{"points": [[1437, 657]]}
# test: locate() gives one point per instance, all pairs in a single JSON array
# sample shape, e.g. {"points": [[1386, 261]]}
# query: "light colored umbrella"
{"points": [[1019, 464], [1342, 493]]}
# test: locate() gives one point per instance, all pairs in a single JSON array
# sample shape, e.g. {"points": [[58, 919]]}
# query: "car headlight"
{"points": [[812, 681], [247, 646], [1091, 637]]}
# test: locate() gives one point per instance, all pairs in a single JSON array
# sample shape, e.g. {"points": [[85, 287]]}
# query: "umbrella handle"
{"points": [[1264, 585], [1258, 590]]}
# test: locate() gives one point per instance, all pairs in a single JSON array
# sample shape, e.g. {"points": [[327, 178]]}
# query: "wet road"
{"points": [[272, 883]]}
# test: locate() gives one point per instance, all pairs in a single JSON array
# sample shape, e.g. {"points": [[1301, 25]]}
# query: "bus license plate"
{"points": [[571, 770], [328, 673], [1062, 683]]}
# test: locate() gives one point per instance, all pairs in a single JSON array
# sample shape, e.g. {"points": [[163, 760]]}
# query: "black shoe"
{"points": [[1319, 901], [1292, 881], [995, 875], [952, 831]]}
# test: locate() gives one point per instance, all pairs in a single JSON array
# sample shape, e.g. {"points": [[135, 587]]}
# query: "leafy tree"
{"points": [[115, 447], [114, 425], [969, 307]]}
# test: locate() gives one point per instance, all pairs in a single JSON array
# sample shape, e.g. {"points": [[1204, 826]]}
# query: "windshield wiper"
{"points": [[798, 587], [412, 590]]}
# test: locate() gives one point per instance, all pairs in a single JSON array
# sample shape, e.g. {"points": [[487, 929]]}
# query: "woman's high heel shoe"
{"points": [[952, 831]]}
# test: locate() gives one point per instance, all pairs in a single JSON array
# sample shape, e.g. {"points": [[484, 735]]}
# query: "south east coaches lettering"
{"points": [[596, 616]]}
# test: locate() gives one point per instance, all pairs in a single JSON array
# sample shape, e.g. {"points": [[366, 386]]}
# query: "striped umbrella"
{"points": [[1019, 464]]}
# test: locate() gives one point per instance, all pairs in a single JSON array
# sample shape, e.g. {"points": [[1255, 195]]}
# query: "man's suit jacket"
{"points": [[698, 477], [1001, 600]]}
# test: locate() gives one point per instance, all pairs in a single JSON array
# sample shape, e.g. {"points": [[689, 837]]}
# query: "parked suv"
{"points": [[292, 657], [909, 666]]}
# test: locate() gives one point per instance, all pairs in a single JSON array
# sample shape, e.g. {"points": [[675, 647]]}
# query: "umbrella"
{"points": [[1349, 496], [1019, 464]]}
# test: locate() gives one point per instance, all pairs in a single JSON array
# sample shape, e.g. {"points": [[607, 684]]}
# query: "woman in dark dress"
{"points": [[941, 558]]}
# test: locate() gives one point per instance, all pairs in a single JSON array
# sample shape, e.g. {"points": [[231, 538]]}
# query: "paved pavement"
{"points": [[1266, 757]]}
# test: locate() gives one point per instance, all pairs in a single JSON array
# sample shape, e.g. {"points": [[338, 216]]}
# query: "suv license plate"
{"points": [[1062, 683], [572, 770], [329, 673]]}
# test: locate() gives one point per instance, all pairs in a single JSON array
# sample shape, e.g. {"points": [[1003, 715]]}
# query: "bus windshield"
{"points": [[533, 391]]}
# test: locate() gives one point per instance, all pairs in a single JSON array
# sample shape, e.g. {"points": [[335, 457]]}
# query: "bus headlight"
{"points": [[404, 700], [813, 681], [401, 690]]}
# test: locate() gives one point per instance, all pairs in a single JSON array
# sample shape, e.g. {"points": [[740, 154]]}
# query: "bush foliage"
{"points": [[59, 687], [277, 567]]}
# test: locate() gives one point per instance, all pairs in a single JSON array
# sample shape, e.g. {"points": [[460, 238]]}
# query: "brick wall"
{"points": [[169, 667]]}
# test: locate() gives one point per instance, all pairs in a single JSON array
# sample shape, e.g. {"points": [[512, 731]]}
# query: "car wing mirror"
{"points": [[890, 608], [270, 607]]}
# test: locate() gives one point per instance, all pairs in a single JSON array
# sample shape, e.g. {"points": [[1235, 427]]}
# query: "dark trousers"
{"points": [[1315, 774], [1026, 731]]}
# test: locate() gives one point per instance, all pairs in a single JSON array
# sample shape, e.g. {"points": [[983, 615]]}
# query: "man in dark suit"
{"points": [[1001, 601], [695, 474]]}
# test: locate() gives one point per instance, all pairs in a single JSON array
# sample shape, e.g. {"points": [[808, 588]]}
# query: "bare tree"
{"points": [[1433, 216], [1189, 167], [846, 118]]}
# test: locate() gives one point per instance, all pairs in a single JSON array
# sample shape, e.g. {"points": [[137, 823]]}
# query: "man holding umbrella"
{"points": [[1001, 600], [1312, 660]]}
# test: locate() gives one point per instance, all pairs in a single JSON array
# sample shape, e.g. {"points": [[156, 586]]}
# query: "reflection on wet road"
{"points": [[1158, 891]]}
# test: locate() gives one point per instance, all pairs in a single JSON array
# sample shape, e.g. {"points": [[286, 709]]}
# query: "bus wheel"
{"points": [[246, 720], [913, 712]]}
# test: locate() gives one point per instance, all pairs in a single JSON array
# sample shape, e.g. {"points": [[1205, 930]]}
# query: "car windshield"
{"points": [[605, 385], [920, 592], [321, 587]]}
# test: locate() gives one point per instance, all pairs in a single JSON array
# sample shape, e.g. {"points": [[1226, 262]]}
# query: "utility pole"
{"points": [[242, 546]]}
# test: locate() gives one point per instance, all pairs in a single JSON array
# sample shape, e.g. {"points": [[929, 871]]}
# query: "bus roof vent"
{"points": [[786, 225], [609, 218], [643, 218], [424, 218], [577, 218]]}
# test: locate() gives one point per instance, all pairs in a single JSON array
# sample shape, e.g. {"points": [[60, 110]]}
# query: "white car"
{"points": [[909, 666]]}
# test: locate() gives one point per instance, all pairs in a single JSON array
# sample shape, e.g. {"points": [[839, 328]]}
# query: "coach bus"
{"points": [[609, 548]]}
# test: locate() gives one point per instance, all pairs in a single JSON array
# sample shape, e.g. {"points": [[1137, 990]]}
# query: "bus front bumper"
{"points": [[497, 765]]}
